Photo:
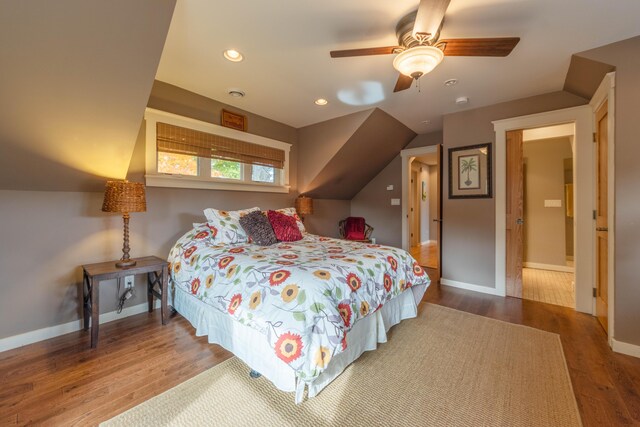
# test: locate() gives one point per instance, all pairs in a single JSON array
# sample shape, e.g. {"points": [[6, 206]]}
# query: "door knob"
{"points": [[519, 221], [437, 220]]}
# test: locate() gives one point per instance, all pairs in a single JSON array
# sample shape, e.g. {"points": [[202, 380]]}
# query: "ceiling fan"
{"points": [[420, 49]]}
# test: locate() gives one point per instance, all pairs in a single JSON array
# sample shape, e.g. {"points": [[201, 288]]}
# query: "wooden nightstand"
{"points": [[157, 274]]}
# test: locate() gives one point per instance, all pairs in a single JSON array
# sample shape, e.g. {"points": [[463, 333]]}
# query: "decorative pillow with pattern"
{"points": [[292, 212], [258, 228], [226, 225], [284, 226]]}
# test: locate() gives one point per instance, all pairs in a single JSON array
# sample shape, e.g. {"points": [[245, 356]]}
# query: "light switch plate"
{"points": [[389, 187], [553, 203], [395, 202]]}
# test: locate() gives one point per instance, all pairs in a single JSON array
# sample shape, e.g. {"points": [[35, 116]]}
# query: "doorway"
{"points": [[510, 213], [423, 210], [422, 207], [547, 225]]}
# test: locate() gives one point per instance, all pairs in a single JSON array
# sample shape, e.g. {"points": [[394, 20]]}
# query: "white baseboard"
{"points": [[625, 348], [471, 287], [76, 325], [552, 267]]}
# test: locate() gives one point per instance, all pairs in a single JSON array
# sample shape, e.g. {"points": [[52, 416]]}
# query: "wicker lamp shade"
{"points": [[304, 205], [124, 197]]}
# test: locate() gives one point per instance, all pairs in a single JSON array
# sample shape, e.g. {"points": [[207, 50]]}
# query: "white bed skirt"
{"points": [[252, 348]]}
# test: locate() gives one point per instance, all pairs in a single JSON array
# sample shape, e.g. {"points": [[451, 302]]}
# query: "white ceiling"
{"points": [[286, 45]]}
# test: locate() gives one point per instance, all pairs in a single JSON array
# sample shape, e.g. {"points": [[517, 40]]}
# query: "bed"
{"points": [[297, 312]]}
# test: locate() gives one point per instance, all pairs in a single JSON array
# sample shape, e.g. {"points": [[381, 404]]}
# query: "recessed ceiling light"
{"points": [[462, 100], [233, 55], [321, 101], [236, 93], [451, 82]]}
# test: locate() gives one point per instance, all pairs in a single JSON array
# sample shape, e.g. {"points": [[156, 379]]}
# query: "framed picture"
{"points": [[234, 121], [470, 172]]}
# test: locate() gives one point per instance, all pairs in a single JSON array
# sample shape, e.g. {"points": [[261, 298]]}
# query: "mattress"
{"points": [[300, 300]]}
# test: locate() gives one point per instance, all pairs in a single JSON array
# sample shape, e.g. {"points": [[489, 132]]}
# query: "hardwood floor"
{"points": [[426, 255], [63, 382], [552, 287]]}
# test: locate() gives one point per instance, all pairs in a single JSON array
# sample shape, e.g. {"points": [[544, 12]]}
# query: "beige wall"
{"points": [[545, 227], [468, 236], [624, 56]]}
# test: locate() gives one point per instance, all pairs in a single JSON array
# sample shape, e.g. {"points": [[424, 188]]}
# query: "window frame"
{"points": [[155, 179]]}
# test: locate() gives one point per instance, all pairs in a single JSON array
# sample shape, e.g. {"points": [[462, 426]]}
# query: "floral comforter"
{"points": [[302, 296]]}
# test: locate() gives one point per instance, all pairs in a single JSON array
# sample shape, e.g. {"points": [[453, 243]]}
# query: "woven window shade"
{"points": [[179, 140]]}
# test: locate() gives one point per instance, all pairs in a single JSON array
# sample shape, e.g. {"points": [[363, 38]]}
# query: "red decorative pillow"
{"points": [[284, 226]]}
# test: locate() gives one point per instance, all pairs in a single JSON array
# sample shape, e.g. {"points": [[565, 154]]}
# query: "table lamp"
{"points": [[304, 206], [124, 197]]}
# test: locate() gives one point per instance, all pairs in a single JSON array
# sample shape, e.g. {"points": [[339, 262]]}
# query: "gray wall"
{"points": [[468, 236], [373, 202], [624, 56], [76, 77], [326, 215], [321, 141], [545, 228], [380, 138], [47, 236]]}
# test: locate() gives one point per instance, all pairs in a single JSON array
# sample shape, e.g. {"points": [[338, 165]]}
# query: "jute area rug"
{"points": [[444, 368]]}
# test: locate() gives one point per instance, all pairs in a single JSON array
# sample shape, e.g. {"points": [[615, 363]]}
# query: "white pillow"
{"points": [[227, 224]]}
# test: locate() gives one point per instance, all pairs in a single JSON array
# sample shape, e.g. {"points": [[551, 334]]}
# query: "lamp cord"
{"points": [[124, 297]]}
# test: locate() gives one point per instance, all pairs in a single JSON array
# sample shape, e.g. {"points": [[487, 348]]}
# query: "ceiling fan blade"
{"points": [[364, 52], [403, 83], [478, 47], [430, 16]]}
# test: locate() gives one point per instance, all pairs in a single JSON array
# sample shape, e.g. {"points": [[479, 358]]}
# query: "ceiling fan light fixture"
{"points": [[418, 61]]}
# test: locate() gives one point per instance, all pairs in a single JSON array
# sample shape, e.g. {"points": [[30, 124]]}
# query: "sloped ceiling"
{"points": [[319, 143], [585, 75], [371, 147], [75, 79]]}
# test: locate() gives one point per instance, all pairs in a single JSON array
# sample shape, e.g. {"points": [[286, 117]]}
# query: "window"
{"points": [[263, 174], [177, 164], [183, 152], [226, 169]]}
